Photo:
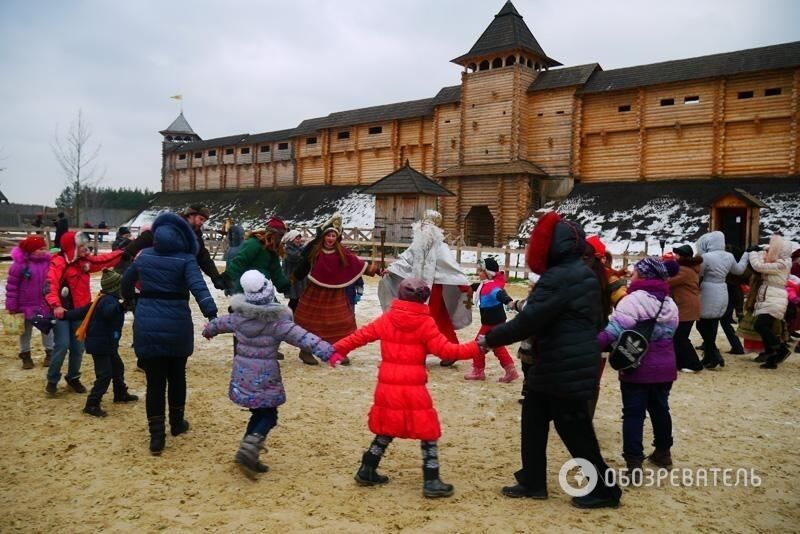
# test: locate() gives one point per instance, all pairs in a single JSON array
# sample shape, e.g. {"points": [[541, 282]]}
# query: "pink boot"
{"points": [[511, 374], [475, 374]]}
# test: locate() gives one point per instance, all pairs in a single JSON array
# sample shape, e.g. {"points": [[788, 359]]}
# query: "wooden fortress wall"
{"points": [[743, 125]]}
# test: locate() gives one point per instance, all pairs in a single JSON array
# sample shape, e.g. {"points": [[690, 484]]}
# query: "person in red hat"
{"points": [[25, 293], [68, 289], [260, 251]]}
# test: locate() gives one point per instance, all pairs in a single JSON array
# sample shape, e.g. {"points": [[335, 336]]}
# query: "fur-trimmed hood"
{"points": [[70, 242], [171, 233], [268, 313]]}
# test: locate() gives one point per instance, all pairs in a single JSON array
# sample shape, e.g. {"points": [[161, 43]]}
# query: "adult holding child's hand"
{"points": [[163, 334]]}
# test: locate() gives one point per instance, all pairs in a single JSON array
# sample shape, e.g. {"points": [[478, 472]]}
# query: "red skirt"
{"points": [[325, 312]]}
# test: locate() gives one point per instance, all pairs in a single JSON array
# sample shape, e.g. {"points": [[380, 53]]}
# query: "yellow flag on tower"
{"points": [[177, 97]]}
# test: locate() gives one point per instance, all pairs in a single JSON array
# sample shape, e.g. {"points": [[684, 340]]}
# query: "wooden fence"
{"points": [[365, 242]]}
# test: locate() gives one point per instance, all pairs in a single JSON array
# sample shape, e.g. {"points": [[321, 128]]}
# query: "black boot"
{"points": [[177, 424], [433, 487], [661, 458], [48, 355], [158, 434], [713, 359], [75, 385], [124, 396], [367, 474], [94, 410], [775, 357]]}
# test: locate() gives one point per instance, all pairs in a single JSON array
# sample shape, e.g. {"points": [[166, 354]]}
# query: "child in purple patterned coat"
{"points": [[260, 324]]}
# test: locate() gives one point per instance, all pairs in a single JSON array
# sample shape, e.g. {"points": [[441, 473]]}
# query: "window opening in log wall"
{"points": [[484, 65], [472, 67], [375, 130], [540, 114], [182, 157], [343, 135], [212, 153], [667, 101], [311, 140], [244, 151], [744, 94], [691, 100], [198, 155], [560, 112], [265, 148], [773, 91], [510, 60], [283, 146], [625, 108], [497, 63], [228, 151]]}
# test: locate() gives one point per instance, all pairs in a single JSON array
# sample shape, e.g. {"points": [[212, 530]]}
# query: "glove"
{"points": [[220, 282], [482, 344], [335, 359], [206, 333]]}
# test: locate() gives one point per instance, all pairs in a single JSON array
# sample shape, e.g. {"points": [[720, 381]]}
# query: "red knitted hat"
{"points": [[598, 245], [276, 225], [31, 244], [541, 239]]}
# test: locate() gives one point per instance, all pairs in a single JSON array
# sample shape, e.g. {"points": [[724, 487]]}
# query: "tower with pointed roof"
{"points": [[492, 151], [174, 135]]}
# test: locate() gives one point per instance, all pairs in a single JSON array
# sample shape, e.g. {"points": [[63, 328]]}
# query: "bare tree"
{"points": [[77, 158]]}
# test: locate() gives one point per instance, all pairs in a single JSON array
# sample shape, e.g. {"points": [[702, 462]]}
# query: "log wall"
{"points": [[738, 126]]}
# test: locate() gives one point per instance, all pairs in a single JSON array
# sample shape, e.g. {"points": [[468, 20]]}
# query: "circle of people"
{"points": [[578, 308]]}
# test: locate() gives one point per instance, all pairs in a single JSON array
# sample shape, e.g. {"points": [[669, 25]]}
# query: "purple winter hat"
{"points": [[651, 268], [414, 290]]}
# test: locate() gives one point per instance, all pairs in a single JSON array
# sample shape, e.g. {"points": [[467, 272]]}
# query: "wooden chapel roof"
{"points": [[406, 180]]}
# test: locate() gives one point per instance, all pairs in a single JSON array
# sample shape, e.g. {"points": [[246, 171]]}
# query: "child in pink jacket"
{"points": [[25, 293]]}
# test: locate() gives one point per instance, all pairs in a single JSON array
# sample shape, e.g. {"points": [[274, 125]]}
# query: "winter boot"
{"points": [[661, 458], [713, 359], [634, 468], [125, 397], [51, 388], [775, 357], [308, 358], [511, 374], [27, 362], [75, 385], [367, 474], [762, 356], [432, 487], [177, 424], [435, 488], [475, 374], [158, 434], [48, 355], [247, 456], [94, 410]]}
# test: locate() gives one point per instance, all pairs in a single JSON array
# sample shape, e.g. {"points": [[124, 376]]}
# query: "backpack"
{"points": [[631, 345]]}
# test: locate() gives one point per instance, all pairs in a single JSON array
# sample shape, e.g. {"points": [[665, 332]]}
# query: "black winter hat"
{"points": [[123, 230], [684, 251], [490, 264]]}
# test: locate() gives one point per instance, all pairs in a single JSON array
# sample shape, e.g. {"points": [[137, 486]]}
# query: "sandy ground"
{"points": [[64, 470]]}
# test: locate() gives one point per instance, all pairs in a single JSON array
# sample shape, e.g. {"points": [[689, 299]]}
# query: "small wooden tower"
{"points": [[738, 216], [174, 135], [402, 198]]}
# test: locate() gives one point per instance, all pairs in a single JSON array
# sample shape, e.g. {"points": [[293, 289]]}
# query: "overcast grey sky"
{"points": [[254, 66]]}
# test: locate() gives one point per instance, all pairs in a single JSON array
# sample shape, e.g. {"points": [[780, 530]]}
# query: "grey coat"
{"points": [[717, 264]]}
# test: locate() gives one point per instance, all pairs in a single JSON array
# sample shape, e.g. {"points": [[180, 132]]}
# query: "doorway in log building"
{"points": [[479, 227]]}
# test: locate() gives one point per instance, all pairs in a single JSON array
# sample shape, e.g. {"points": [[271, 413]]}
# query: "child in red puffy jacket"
{"points": [[402, 406]]}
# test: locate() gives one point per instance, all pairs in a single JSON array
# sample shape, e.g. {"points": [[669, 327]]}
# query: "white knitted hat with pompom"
{"points": [[257, 289]]}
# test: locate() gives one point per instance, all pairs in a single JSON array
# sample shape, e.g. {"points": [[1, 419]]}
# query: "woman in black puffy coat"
{"points": [[563, 316], [163, 334]]}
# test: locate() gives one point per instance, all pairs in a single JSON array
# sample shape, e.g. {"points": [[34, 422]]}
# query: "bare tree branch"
{"points": [[76, 158]]}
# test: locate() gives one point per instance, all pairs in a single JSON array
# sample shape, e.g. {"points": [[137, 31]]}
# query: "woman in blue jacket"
{"points": [[163, 334]]}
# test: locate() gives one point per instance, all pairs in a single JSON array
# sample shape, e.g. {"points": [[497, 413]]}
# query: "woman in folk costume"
{"points": [[430, 259], [323, 308]]}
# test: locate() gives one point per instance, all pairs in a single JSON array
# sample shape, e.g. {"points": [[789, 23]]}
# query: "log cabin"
{"points": [[521, 130]]}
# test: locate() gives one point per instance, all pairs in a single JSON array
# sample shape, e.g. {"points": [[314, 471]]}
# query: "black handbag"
{"points": [[631, 345]]}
